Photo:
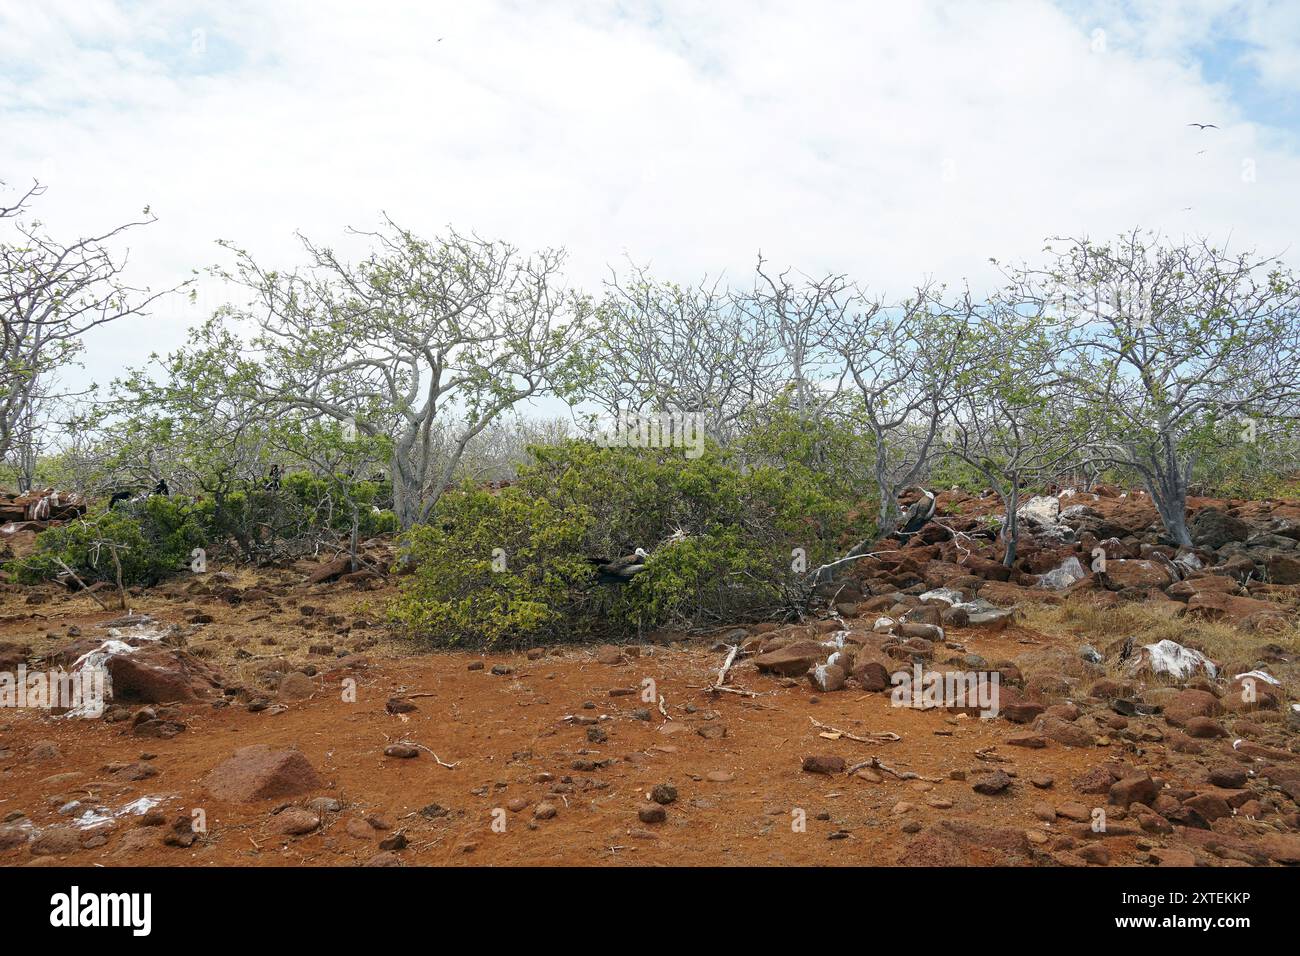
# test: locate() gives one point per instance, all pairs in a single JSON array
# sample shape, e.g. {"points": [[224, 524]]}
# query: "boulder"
{"points": [[1283, 569], [1136, 574], [1213, 528], [260, 773], [1192, 703], [155, 674], [794, 659], [330, 570], [1138, 788], [1217, 605]]}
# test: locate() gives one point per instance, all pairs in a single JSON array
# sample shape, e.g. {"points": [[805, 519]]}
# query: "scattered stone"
{"points": [[294, 822], [651, 813], [664, 793], [991, 783], [260, 773], [824, 764]]}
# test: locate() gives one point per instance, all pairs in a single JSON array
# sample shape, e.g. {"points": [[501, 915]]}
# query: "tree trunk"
{"points": [[352, 541], [889, 513], [1011, 530], [405, 497], [1166, 482], [1169, 495]]}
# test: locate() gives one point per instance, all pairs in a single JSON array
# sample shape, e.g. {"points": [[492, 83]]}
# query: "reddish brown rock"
{"points": [[1204, 728], [1189, 704], [1211, 806], [1063, 731], [1120, 575], [156, 674], [824, 764], [1139, 788], [793, 660], [260, 773]]}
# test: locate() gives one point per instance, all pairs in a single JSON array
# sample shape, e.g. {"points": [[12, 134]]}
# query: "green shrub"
{"points": [[733, 558], [153, 539], [495, 569]]}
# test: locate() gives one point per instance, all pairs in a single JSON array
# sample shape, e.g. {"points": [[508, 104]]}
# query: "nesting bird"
{"points": [[916, 516], [620, 570]]}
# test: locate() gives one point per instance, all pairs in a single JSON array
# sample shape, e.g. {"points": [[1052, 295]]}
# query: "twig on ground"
{"points": [[875, 737], [436, 758], [726, 666], [82, 583], [878, 764]]}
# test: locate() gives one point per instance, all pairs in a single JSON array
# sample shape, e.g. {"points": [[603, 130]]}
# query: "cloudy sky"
{"points": [[893, 141]]}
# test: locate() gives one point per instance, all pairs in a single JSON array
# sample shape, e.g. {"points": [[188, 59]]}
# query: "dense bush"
{"points": [[496, 568], [722, 539], [304, 509], [152, 540]]}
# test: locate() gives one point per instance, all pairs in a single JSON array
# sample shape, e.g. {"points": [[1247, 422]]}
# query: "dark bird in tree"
{"points": [[916, 516], [117, 497], [1203, 125], [162, 488], [273, 479], [619, 570]]}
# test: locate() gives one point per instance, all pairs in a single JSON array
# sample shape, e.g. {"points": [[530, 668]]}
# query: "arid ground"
{"points": [[560, 756]]}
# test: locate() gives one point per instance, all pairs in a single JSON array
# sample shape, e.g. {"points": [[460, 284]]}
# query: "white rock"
{"points": [[1171, 658], [1069, 572], [1041, 509]]}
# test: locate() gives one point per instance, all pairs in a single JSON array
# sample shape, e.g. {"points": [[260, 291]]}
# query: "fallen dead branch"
{"points": [[881, 736], [726, 666], [663, 709], [877, 764], [84, 588], [438, 760]]}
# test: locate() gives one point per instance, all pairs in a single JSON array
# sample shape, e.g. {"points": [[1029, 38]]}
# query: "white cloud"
{"points": [[892, 142]]}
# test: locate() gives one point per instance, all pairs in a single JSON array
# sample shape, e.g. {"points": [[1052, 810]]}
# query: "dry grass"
{"points": [[1234, 648]]}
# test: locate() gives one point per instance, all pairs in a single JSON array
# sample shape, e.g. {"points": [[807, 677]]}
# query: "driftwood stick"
{"points": [[878, 764], [875, 738], [438, 760], [82, 583], [726, 666]]}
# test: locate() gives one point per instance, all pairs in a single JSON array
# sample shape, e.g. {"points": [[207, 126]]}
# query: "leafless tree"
{"points": [[665, 347], [906, 361], [51, 294], [1015, 420], [1179, 346], [802, 315], [456, 329]]}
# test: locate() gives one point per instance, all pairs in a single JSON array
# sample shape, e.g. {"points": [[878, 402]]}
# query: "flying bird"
{"points": [[1203, 125]]}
